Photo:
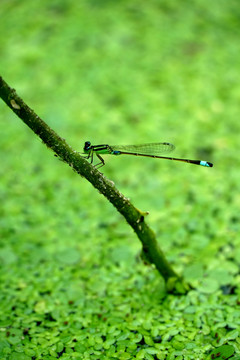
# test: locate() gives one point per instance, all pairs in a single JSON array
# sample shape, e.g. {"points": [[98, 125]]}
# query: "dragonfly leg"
{"points": [[85, 156], [91, 155], [88, 156], [102, 163]]}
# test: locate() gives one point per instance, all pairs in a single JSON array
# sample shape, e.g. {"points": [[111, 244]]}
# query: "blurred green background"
{"points": [[117, 72]]}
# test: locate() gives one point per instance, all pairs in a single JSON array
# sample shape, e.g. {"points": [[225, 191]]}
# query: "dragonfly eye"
{"points": [[87, 145]]}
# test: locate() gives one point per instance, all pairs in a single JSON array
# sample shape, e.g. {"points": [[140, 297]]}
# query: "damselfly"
{"points": [[152, 150]]}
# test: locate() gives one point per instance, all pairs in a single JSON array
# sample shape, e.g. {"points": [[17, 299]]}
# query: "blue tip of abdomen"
{"points": [[206, 163]]}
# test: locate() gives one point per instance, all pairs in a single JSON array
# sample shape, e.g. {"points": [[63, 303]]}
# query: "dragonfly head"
{"points": [[87, 146]]}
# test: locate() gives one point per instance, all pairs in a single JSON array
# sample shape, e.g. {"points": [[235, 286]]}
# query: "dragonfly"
{"points": [[152, 150]]}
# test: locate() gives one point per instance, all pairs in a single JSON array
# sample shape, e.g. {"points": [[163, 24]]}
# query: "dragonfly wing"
{"points": [[147, 149]]}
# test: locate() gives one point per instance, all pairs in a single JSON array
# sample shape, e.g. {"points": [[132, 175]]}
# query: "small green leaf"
{"points": [[68, 256], [222, 352]]}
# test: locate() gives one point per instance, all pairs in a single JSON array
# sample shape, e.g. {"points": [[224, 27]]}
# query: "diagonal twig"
{"points": [[134, 217]]}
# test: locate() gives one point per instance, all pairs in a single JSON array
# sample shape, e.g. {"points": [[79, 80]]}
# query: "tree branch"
{"points": [[133, 216]]}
